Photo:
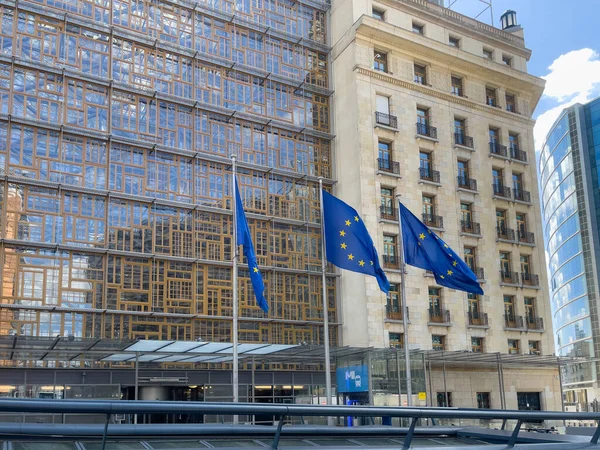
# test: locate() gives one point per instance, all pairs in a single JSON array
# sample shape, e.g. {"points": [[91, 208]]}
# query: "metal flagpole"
{"points": [[325, 302], [404, 309], [235, 289]]}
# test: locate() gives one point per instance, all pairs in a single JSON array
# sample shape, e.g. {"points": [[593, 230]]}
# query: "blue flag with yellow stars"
{"points": [[348, 244], [426, 250], [243, 238]]}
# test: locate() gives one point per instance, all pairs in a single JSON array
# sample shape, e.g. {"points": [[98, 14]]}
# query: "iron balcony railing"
{"points": [[526, 237], [470, 227], [388, 212], [478, 318], [513, 321], [433, 221], [394, 312], [428, 174], [462, 139], [467, 183], [522, 196], [508, 277], [387, 165], [437, 315], [530, 279], [535, 323], [424, 129], [516, 154], [498, 149], [386, 120], [508, 234], [501, 190], [390, 262]]}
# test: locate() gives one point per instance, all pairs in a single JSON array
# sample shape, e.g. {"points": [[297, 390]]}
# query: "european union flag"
{"points": [[424, 249], [244, 239], [348, 244]]}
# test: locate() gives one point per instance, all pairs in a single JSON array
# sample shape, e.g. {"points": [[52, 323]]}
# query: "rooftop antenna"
{"points": [[487, 6]]}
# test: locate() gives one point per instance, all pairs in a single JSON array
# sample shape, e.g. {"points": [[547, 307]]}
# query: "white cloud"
{"points": [[574, 78]]}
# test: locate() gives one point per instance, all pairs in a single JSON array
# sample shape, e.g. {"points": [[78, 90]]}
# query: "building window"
{"points": [[396, 340], [422, 121], [466, 214], [505, 267], [435, 304], [498, 180], [475, 317], [454, 42], [378, 14], [513, 346], [483, 400], [420, 74], [476, 344], [426, 165], [530, 309], [494, 134], [418, 28], [394, 306], [470, 257], [535, 348], [390, 254], [488, 53], [521, 224], [517, 180], [513, 142], [385, 156], [444, 399], [380, 62], [490, 96], [457, 86], [428, 208], [387, 203], [501, 221], [511, 103], [463, 173], [525, 267], [507, 60], [438, 342]]}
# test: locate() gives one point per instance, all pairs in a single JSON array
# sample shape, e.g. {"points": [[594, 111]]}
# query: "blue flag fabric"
{"points": [[244, 239], [348, 244], [426, 250]]}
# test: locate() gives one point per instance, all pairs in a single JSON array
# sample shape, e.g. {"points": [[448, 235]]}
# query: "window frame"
{"points": [[438, 346], [488, 53], [507, 59], [420, 77], [457, 88], [516, 347], [378, 14], [380, 61], [452, 40], [418, 28], [477, 348]]}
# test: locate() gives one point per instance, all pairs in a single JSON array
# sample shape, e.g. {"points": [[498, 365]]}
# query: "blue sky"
{"points": [[565, 39]]}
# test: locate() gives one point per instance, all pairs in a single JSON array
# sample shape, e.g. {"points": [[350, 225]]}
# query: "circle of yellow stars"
{"points": [[344, 246], [449, 272]]}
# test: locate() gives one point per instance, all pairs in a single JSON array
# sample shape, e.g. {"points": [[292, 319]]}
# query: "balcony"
{"points": [[517, 155], [535, 323], [508, 277], [478, 319], [463, 141], [505, 234], [426, 130], [391, 262], [525, 237], [386, 165], [439, 316], [522, 196], [386, 120], [394, 312], [470, 227], [467, 183], [530, 279], [433, 221], [498, 150], [426, 174], [501, 191], [513, 322], [388, 213]]}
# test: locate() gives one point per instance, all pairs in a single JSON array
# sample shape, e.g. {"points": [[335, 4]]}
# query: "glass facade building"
{"points": [[117, 122], [568, 168]]}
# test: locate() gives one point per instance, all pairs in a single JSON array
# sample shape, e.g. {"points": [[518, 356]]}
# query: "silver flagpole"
{"points": [[325, 303], [404, 309], [235, 289]]}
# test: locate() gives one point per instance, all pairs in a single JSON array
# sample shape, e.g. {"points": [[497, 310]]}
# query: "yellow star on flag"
{"points": [[450, 272], [361, 263], [344, 245], [255, 269], [442, 277], [454, 263], [347, 223], [356, 218], [342, 233], [422, 236], [350, 256]]}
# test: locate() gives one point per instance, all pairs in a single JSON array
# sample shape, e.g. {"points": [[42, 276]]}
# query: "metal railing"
{"points": [[508, 234], [470, 227], [462, 139], [394, 312], [467, 183], [433, 221], [388, 212], [386, 120], [530, 279], [526, 237], [522, 196], [439, 315], [516, 154], [513, 321], [387, 165], [478, 319], [501, 190], [535, 323], [508, 277], [424, 129], [498, 149], [428, 174]]}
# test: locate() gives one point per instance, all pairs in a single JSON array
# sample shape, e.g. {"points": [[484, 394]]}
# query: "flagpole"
{"points": [[404, 309], [325, 304], [235, 288]]}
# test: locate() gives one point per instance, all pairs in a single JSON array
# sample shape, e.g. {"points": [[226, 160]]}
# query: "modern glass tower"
{"points": [[568, 169]]}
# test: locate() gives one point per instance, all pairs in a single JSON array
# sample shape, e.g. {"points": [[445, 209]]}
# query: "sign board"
{"points": [[422, 395], [352, 379]]}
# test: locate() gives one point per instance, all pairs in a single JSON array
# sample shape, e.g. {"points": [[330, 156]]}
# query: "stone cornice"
{"points": [[463, 101]]}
